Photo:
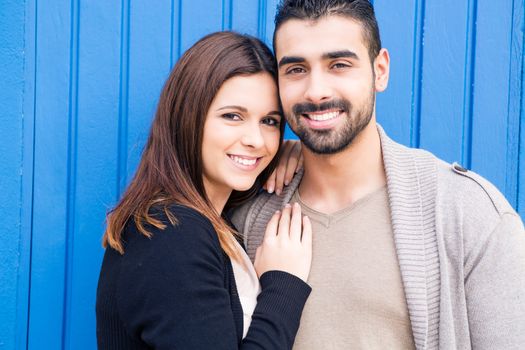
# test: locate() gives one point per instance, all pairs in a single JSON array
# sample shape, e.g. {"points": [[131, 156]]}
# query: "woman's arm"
{"points": [[172, 293]]}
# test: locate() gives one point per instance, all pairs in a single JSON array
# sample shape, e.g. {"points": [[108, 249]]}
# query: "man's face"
{"points": [[326, 80]]}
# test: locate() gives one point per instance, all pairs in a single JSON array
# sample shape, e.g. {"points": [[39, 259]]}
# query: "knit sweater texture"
{"points": [[176, 290], [460, 247]]}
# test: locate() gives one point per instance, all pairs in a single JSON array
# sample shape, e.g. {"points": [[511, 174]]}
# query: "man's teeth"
{"points": [[243, 161], [325, 116]]}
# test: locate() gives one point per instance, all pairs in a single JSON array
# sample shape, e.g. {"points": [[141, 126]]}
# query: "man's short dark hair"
{"points": [[361, 11]]}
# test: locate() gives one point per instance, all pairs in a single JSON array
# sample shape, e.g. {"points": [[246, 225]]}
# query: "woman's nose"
{"points": [[252, 136]]}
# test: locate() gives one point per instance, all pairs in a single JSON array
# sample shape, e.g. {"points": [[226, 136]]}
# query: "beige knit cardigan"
{"points": [[460, 247]]}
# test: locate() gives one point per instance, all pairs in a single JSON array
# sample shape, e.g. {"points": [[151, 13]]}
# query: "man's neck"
{"points": [[333, 182]]}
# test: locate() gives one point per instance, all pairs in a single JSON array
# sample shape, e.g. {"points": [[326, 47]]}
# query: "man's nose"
{"points": [[318, 89]]}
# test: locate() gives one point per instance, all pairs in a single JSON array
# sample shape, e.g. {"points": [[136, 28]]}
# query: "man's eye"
{"points": [[340, 65], [271, 121], [231, 116], [295, 70]]}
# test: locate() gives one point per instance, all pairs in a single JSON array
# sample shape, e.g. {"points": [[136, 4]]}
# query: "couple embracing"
{"points": [[371, 245]]}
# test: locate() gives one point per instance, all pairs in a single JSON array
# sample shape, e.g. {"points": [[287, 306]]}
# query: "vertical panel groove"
{"points": [[261, 20], [71, 165], [123, 98], [175, 38], [179, 30], [172, 30], [230, 15], [31, 192], [417, 73], [469, 81], [226, 14], [521, 146], [514, 109]]}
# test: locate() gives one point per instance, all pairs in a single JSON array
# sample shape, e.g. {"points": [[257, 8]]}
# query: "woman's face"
{"points": [[241, 133]]}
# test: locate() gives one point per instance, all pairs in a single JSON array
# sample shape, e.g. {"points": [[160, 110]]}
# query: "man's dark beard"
{"points": [[331, 141]]}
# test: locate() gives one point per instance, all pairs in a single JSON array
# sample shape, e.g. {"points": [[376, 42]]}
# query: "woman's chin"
{"points": [[241, 187]]}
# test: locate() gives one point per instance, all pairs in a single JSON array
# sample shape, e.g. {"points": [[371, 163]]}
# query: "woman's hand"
{"points": [[287, 244], [290, 162]]}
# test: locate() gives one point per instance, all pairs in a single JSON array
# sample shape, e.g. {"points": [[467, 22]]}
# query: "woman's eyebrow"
{"points": [[240, 108]]}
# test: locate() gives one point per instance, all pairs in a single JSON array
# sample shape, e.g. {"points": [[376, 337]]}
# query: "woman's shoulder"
{"points": [[180, 212], [181, 227]]}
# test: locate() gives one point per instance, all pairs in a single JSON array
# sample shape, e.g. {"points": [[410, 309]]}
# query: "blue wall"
{"points": [[80, 80], [13, 246]]}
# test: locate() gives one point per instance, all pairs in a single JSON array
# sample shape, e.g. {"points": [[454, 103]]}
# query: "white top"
{"points": [[248, 287]]}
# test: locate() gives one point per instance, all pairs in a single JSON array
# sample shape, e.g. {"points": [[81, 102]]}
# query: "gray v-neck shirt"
{"points": [[357, 299]]}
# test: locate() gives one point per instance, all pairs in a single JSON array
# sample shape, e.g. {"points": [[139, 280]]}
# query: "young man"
{"points": [[408, 251]]}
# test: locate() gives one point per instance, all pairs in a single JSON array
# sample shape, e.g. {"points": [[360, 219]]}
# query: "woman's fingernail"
{"points": [[287, 205], [286, 182], [270, 189]]}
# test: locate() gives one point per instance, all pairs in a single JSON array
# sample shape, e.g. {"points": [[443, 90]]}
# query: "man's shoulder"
{"points": [[457, 184], [244, 215], [263, 205]]}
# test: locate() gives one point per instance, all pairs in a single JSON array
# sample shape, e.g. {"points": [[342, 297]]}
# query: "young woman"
{"points": [[174, 275]]}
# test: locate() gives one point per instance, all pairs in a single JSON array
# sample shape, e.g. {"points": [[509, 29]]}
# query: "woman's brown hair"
{"points": [[170, 170]]}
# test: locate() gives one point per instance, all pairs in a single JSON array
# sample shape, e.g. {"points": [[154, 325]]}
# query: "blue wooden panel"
{"points": [[397, 108], [244, 16], [51, 167], [93, 173], [443, 92], [267, 9], [11, 170], [492, 135], [196, 23], [149, 65]]}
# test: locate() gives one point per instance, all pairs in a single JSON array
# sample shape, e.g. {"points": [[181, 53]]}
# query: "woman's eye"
{"points": [[231, 116], [271, 121]]}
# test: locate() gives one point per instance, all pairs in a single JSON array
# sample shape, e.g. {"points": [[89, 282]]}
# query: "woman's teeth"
{"points": [[243, 161]]}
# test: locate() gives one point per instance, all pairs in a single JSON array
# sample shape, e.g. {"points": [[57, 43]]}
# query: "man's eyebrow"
{"points": [[329, 55], [340, 54], [290, 59]]}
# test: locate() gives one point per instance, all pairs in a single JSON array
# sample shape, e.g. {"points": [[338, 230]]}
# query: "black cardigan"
{"points": [[176, 290]]}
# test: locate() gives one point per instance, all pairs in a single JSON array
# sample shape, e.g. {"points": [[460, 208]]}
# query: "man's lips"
{"points": [[323, 115], [323, 119]]}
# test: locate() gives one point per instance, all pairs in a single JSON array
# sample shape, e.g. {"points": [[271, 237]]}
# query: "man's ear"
{"points": [[382, 70]]}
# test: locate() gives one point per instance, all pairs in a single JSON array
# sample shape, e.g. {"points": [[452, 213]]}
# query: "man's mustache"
{"points": [[308, 107]]}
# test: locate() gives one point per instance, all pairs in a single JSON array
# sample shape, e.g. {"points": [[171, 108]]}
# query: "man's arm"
{"points": [[495, 287]]}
